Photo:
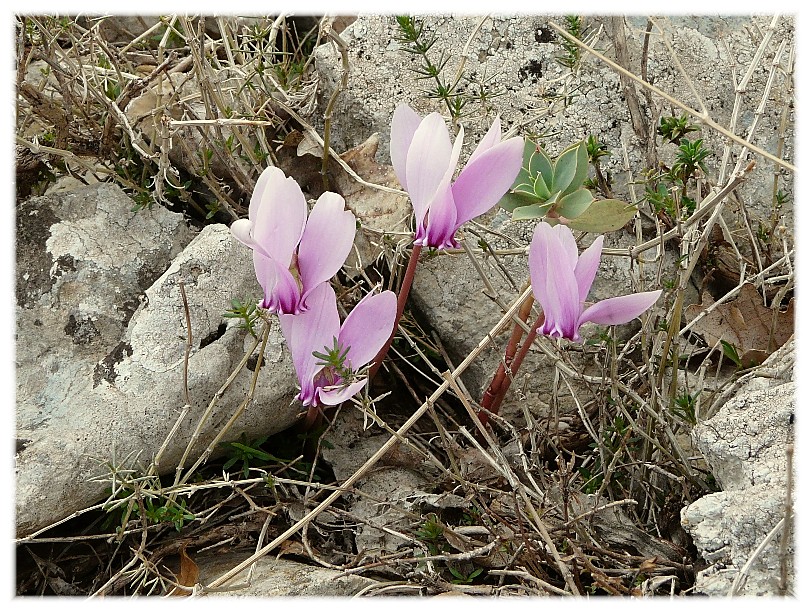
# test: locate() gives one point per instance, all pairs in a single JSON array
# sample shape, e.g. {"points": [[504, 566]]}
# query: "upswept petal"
{"points": [[336, 395], [269, 175], [428, 161], [554, 283], [442, 221], [486, 178], [326, 241], [280, 218], [242, 230], [568, 244], [367, 327], [587, 266], [619, 310], [491, 139], [266, 275], [311, 331], [403, 127]]}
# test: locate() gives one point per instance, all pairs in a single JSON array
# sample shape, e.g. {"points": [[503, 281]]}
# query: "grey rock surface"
{"points": [[518, 58], [279, 577], [745, 447], [101, 343]]}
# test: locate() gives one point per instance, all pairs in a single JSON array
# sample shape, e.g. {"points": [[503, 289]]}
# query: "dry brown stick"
{"points": [[639, 125]]}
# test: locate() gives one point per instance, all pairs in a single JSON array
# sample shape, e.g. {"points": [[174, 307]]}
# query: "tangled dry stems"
{"points": [[529, 514]]}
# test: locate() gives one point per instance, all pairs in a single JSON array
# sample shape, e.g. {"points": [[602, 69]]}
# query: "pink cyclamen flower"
{"points": [[292, 256], [424, 160], [561, 280], [362, 334]]}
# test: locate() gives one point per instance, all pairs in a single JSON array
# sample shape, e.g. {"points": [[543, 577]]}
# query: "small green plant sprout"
{"points": [[555, 189], [672, 129], [730, 351], [431, 532], [595, 151], [412, 39], [691, 155], [685, 407], [245, 453], [571, 53], [462, 579], [247, 312], [171, 512], [334, 364]]}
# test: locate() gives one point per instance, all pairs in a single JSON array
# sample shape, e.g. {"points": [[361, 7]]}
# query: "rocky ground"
{"points": [[148, 420]]}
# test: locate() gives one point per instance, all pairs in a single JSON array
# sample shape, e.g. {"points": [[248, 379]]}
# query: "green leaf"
{"points": [[525, 188], [575, 204], [730, 351], [570, 168], [539, 164], [534, 211], [541, 188], [604, 215], [512, 201]]}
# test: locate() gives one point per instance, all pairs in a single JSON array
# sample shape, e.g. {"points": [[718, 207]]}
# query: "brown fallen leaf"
{"points": [[378, 211], [754, 330], [189, 573]]}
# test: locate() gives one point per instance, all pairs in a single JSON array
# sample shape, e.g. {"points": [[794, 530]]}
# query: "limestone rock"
{"points": [[101, 343], [279, 577], [745, 447]]}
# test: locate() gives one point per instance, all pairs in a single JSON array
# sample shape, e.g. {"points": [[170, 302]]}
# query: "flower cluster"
{"points": [[295, 257], [424, 160]]}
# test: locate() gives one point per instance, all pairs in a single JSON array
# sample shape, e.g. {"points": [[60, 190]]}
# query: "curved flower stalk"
{"points": [[292, 255], [424, 160], [327, 356], [561, 280]]}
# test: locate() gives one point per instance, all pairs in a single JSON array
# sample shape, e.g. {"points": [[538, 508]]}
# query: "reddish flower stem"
{"points": [[404, 291], [511, 349], [494, 395]]}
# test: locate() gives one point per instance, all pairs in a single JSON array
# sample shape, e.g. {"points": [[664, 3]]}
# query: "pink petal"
{"points": [[280, 217], [270, 174], [428, 161], [242, 230], [567, 243], [486, 178], [311, 331], [442, 221], [326, 241], [491, 139], [554, 283], [336, 395], [403, 126], [281, 292], [587, 267], [367, 327], [619, 310], [266, 275]]}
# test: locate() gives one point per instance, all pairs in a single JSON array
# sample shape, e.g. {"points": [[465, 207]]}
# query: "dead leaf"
{"points": [[309, 146], [378, 211], [189, 573], [755, 330]]}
